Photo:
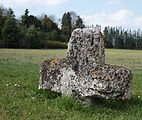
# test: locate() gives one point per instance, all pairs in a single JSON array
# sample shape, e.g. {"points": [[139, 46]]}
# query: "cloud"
{"points": [[114, 2], [122, 17], [11, 3], [55, 2]]}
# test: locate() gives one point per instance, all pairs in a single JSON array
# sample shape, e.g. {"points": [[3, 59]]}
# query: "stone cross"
{"points": [[83, 73]]}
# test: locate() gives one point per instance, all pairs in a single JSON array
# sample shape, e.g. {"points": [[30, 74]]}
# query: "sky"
{"points": [[125, 13]]}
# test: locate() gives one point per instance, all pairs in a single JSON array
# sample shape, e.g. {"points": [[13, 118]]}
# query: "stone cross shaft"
{"points": [[86, 47]]}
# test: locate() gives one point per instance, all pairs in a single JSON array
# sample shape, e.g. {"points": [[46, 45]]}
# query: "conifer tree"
{"points": [[66, 27], [11, 31], [79, 23]]}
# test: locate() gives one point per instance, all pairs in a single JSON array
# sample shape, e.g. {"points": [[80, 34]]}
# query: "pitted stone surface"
{"points": [[86, 47], [84, 73], [105, 81]]}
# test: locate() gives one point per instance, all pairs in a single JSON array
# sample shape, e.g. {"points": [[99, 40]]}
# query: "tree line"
{"points": [[122, 39], [30, 31]]}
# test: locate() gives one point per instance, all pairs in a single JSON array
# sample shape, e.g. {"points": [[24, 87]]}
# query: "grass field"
{"points": [[20, 98]]}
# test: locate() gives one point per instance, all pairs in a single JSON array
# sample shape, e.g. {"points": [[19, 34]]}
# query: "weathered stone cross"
{"points": [[83, 73]]}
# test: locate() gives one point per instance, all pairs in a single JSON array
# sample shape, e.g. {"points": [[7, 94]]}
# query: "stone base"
{"points": [[101, 81]]}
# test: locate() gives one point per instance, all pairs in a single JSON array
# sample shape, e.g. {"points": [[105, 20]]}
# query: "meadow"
{"points": [[20, 98]]}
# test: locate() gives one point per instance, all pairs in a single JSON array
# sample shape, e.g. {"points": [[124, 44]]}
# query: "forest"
{"points": [[44, 32]]}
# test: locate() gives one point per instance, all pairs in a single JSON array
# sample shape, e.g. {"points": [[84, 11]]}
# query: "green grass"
{"points": [[20, 98]]}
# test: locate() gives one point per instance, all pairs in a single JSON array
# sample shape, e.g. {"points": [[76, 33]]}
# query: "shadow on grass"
{"points": [[46, 94], [118, 105], [69, 103]]}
